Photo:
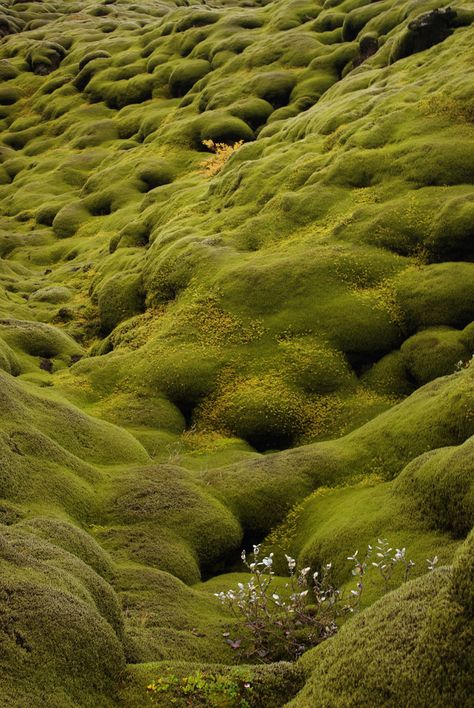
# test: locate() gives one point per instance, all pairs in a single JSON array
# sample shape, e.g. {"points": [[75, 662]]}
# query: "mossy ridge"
{"points": [[172, 288], [345, 167], [57, 613], [439, 412], [390, 651]]}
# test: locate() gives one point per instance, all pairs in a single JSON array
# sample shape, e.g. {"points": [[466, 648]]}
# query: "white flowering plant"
{"points": [[280, 626]]}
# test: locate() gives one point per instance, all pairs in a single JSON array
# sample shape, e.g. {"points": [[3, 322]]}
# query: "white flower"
{"points": [[267, 562], [291, 562]]}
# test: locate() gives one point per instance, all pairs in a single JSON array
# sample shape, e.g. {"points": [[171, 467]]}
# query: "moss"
{"points": [[305, 293], [38, 339], [9, 95], [440, 485], [7, 70], [69, 219], [8, 360], [222, 128], [54, 294], [163, 498], [253, 111], [155, 174], [92, 56], [384, 654], [136, 233], [265, 412], [185, 75], [389, 375], [274, 87], [271, 684], [451, 235], [73, 540], [119, 297], [440, 294], [50, 622], [432, 353]]}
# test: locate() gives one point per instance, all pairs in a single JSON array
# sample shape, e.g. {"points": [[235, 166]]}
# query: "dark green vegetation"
{"points": [[188, 364]]}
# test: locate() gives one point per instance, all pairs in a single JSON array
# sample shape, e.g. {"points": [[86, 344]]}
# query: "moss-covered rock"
{"points": [[119, 297], [392, 649], [57, 640]]}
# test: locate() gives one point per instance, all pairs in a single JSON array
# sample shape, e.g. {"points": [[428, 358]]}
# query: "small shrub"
{"points": [[204, 688], [222, 152], [278, 626]]}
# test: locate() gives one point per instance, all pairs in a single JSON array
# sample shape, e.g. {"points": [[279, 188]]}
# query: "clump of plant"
{"points": [[203, 688], [222, 152], [277, 626]]}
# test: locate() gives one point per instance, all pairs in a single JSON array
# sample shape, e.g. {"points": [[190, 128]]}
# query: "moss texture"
{"points": [[280, 351]]}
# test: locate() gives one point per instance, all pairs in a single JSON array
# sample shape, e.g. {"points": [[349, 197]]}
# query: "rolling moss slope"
{"points": [[280, 352]]}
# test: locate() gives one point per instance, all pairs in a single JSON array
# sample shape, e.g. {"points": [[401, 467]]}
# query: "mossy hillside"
{"points": [[61, 626], [261, 491], [164, 618], [274, 74], [194, 528], [216, 311], [332, 524], [50, 449], [439, 483], [409, 643], [274, 683]]}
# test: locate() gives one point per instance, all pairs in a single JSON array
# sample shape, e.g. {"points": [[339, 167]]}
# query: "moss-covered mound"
{"points": [[413, 643], [236, 305], [60, 629]]}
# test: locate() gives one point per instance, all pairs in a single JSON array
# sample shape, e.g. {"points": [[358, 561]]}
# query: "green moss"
{"points": [[39, 340], [155, 174], [56, 641], [390, 651], [440, 485], [8, 360], [253, 111], [270, 684], [185, 75], [69, 219], [163, 498], [274, 87], [451, 235], [73, 540], [266, 413], [222, 128], [307, 291], [119, 298], [432, 353], [8, 96], [54, 294], [7, 70], [441, 294]]}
